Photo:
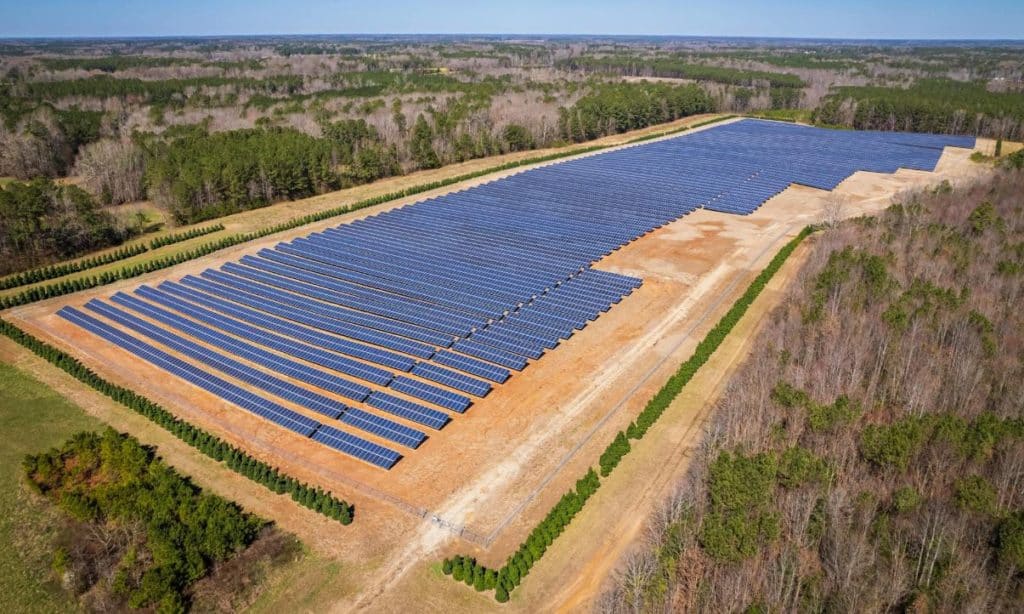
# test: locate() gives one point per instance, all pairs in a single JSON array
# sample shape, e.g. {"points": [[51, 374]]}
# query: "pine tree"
{"points": [[422, 145], [500, 594]]}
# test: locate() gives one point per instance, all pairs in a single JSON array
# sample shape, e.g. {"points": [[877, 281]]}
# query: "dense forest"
{"points": [[138, 534], [622, 107], [40, 220], [869, 455], [929, 105], [209, 175]]}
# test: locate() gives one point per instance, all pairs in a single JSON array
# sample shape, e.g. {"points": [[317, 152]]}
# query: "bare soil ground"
{"points": [[498, 468]]}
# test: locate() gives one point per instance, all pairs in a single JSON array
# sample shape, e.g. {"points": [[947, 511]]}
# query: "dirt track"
{"points": [[502, 465]]}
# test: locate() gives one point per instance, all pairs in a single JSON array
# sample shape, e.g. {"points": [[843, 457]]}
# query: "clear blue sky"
{"points": [[797, 18]]}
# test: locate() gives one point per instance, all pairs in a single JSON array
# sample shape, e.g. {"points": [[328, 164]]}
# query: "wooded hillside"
{"points": [[870, 454]]}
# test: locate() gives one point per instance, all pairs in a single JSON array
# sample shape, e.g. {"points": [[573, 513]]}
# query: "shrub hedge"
{"points": [[66, 268], [178, 237], [32, 276]]}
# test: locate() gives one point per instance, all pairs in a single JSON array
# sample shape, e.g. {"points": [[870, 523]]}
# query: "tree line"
{"points": [[201, 176], [929, 105], [169, 92], [178, 237], [869, 453], [52, 271], [679, 68], [517, 566], [118, 63], [110, 481], [41, 220], [612, 108], [838, 59], [505, 580]]}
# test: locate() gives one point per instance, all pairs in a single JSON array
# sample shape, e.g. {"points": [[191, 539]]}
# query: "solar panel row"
{"points": [[286, 418], [238, 347]]}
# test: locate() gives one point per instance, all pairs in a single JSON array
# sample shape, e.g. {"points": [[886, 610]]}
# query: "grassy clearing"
{"points": [[310, 584], [801, 116], [32, 418]]}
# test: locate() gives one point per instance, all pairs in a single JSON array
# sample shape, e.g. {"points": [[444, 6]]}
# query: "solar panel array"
{"points": [[363, 335]]}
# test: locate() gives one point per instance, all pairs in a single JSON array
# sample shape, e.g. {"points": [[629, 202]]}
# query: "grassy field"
{"points": [[32, 418]]}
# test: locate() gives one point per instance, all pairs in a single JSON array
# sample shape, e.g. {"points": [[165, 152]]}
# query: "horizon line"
{"points": [[35, 37]]}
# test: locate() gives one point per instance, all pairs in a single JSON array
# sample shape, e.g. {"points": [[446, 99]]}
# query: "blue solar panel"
{"points": [[291, 420], [382, 427], [238, 370], [495, 355], [226, 286], [452, 379], [345, 329], [427, 392], [354, 446], [471, 365], [276, 342], [407, 409], [253, 353]]}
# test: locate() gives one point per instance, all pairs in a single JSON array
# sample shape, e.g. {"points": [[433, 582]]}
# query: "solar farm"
{"points": [[353, 350]]}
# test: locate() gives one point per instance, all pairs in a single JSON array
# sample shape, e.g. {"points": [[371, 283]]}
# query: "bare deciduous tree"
{"points": [[112, 170]]}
